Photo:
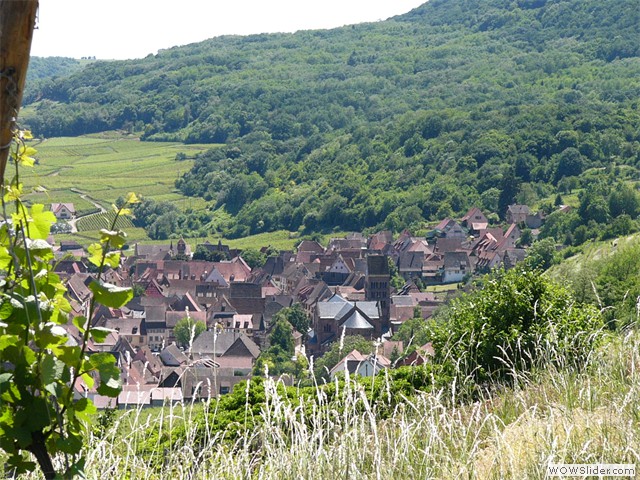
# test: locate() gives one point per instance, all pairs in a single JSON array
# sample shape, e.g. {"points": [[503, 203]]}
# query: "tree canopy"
{"points": [[377, 125], [187, 330]]}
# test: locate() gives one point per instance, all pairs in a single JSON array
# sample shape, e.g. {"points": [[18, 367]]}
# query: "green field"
{"points": [[108, 166]]}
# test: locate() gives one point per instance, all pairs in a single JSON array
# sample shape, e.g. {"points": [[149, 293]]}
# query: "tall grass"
{"points": [[562, 413]]}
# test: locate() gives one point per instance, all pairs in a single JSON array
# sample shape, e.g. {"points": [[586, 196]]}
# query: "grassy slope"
{"points": [[591, 252]]}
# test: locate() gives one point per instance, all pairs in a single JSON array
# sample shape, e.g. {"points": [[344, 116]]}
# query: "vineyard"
{"points": [[109, 167], [102, 220]]}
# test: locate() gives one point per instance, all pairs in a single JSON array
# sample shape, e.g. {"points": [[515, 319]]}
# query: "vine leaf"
{"points": [[105, 364], [100, 334], [95, 254], [42, 221], [110, 295], [51, 369]]}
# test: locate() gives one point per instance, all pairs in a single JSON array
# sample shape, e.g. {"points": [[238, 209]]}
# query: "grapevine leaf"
{"points": [[112, 259], [5, 377], [51, 369], [5, 310], [68, 355], [14, 192], [105, 364], [100, 334], [25, 156], [80, 322], [40, 248], [5, 258], [132, 198], [42, 221], [110, 295], [85, 409], [8, 340], [95, 254], [88, 380], [116, 238]]}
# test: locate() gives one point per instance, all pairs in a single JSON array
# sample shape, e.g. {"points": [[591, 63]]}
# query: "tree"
{"points": [[526, 238], [509, 188], [187, 330], [282, 336], [278, 358], [624, 200], [254, 258], [542, 254], [208, 255], [296, 316], [570, 163]]}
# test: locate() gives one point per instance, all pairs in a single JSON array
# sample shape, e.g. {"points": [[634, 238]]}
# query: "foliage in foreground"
{"points": [[40, 366]]}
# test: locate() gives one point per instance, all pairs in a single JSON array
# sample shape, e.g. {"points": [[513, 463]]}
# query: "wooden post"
{"points": [[17, 21]]}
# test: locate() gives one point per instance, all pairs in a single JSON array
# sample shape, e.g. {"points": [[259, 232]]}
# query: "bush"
{"points": [[503, 328]]}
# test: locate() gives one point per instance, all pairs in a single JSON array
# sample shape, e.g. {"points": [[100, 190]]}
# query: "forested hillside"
{"points": [[389, 124]]}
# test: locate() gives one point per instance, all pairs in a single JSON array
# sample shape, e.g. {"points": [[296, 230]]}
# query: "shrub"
{"points": [[503, 328]]}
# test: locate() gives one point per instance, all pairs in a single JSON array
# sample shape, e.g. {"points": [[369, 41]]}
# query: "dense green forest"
{"points": [[386, 125]]}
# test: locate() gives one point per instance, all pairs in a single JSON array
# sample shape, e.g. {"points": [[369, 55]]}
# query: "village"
{"points": [[344, 289]]}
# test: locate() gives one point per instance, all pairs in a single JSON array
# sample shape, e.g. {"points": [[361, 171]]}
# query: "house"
{"points": [[474, 220], [338, 272], [449, 228], [511, 236], [308, 250], [133, 329], [156, 322], [410, 264], [172, 356], [419, 356], [456, 266], [153, 252], [63, 211], [522, 215], [358, 364], [214, 343], [381, 243], [517, 213]]}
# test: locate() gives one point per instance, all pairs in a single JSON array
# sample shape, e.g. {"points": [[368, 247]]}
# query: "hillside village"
{"points": [[344, 289]]}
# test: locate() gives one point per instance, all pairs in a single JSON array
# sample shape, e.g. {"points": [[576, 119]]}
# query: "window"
{"points": [[224, 389]]}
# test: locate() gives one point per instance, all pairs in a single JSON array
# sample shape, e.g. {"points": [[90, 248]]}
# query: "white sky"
{"points": [[120, 29]]}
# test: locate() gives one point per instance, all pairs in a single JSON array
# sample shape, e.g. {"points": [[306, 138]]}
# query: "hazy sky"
{"points": [[119, 29]]}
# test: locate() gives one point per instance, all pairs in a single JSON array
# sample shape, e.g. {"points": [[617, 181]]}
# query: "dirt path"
{"points": [[73, 222]]}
